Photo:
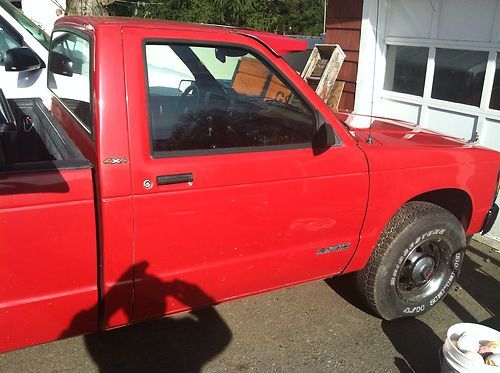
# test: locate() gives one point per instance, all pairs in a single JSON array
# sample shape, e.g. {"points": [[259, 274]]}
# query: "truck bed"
{"points": [[40, 143]]}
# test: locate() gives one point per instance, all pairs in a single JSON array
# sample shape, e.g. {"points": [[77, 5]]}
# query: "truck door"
{"points": [[228, 192]]}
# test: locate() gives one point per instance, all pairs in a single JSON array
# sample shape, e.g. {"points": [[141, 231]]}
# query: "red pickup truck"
{"points": [[185, 165]]}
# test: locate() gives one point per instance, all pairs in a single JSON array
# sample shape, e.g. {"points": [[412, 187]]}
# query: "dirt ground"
{"points": [[318, 327]]}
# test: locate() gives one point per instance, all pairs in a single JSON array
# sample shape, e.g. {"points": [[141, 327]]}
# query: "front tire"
{"points": [[415, 262]]}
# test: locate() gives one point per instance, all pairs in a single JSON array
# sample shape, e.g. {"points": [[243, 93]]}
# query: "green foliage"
{"points": [[281, 16]]}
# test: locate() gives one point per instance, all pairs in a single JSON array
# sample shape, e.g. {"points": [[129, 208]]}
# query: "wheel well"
{"points": [[455, 201]]}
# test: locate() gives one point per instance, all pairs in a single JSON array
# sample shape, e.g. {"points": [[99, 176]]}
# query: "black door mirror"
{"points": [[323, 139], [22, 59], [60, 64]]}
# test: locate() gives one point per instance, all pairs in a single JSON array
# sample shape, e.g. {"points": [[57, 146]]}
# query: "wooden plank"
{"points": [[322, 70], [349, 72], [311, 63], [331, 72], [346, 101], [345, 9], [336, 94], [343, 23], [349, 39], [252, 78]]}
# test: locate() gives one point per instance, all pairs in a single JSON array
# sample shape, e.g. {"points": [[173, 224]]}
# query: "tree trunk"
{"points": [[87, 7]]}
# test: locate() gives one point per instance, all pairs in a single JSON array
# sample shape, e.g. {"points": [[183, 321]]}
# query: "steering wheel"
{"points": [[184, 99]]}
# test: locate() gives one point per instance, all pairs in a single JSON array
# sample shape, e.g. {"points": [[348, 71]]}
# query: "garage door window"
{"points": [[495, 93], [405, 69], [459, 76]]}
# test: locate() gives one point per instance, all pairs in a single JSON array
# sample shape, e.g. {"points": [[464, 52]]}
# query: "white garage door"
{"points": [[435, 63]]}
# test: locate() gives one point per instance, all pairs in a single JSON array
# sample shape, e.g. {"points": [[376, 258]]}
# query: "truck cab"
{"points": [[215, 140]]}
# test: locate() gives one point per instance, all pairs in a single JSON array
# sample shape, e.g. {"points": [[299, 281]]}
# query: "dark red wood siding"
{"points": [[343, 27]]}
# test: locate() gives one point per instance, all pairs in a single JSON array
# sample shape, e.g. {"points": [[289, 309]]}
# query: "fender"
{"points": [[392, 188]]}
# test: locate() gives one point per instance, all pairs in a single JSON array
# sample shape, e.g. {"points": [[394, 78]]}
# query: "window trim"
{"points": [[316, 117], [90, 131]]}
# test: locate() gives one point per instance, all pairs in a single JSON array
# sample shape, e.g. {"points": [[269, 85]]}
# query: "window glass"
{"points": [[405, 69], [495, 93], [459, 75], [69, 77], [203, 98], [7, 41]]}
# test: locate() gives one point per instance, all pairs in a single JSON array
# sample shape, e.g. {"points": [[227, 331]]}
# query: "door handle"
{"points": [[174, 179]]}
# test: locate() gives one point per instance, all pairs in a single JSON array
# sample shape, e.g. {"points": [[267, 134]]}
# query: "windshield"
{"points": [[29, 25]]}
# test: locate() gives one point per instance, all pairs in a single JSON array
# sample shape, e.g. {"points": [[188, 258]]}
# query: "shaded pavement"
{"points": [[318, 327]]}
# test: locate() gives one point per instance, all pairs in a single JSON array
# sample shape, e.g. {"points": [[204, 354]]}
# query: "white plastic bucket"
{"points": [[454, 361]]}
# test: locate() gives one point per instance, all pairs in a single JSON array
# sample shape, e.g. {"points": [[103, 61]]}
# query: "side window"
{"points": [[495, 93], [203, 98], [8, 40], [69, 75]]}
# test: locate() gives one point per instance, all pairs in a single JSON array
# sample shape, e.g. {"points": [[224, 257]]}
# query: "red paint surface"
{"points": [[250, 222], [406, 161], [47, 255], [245, 213]]}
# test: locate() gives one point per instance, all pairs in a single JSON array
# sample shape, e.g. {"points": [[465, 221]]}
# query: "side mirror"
{"points": [[60, 64], [22, 59], [323, 139]]}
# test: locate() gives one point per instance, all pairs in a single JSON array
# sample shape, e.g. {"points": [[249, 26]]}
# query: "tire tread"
{"points": [[404, 217]]}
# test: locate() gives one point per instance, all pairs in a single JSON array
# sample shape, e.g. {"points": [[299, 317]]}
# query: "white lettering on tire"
{"points": [[412, 310], [443, 291]]}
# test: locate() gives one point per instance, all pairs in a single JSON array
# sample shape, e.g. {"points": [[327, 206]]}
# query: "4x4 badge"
{"points": [[115, 161]]}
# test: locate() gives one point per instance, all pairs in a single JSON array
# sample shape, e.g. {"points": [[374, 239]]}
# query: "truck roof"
{"points": [[280, 44]]}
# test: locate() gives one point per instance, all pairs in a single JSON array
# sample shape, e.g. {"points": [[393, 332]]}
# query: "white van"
{"points": [[21, 39]]}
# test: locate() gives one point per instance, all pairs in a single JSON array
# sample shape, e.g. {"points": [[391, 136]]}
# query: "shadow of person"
{"points": [[180, 343], [416, 342]]}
